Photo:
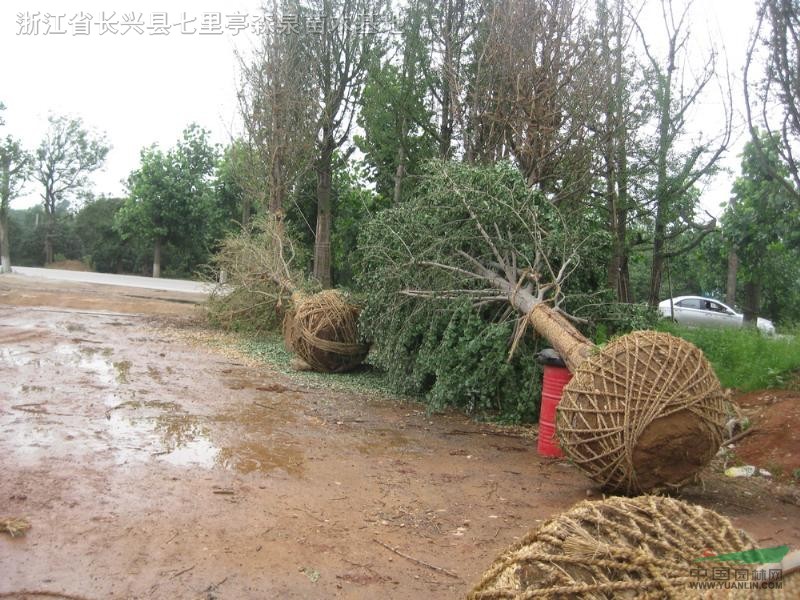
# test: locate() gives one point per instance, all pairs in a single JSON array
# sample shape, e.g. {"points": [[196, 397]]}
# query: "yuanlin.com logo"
{"points": [[759, 568]]}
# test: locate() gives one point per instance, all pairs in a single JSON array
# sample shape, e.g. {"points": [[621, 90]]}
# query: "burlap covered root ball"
{"points": [[322, 329], [643, 547], [643, 413]]}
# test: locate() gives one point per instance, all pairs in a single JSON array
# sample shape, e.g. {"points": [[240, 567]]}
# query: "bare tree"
{"points": [[776, 40], [277, 102], [64, 160], [676, 89], [623, 112], [532, 94]]}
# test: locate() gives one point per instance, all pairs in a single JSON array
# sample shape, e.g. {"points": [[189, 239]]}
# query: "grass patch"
{"points": [[269, 348], [745, 359]]}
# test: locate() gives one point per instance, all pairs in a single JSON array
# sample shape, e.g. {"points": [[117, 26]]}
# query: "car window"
{"points": [[717, 307], [691, 303]]}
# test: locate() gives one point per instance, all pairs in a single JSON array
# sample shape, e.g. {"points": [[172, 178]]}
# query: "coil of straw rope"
{"points": [[644, 547], [645, 412], [642, 413], [322, 329]]}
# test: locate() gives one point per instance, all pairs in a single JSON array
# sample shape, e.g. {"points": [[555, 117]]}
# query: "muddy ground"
{"points": [[153, 467]]}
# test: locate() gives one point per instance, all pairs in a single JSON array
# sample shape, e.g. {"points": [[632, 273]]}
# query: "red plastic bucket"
{"points": [[555, 378]]}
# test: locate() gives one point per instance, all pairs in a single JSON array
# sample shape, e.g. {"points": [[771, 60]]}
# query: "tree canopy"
{"points": [[172, 199]]}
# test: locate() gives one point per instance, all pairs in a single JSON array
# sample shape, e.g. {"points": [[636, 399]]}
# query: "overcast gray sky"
{"points": [[144, 88]]}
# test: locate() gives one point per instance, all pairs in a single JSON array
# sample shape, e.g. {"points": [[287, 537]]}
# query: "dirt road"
{"points": [[150, 467]]}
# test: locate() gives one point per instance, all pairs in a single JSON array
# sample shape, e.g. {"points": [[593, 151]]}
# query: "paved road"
{"points": [[170, 285]]}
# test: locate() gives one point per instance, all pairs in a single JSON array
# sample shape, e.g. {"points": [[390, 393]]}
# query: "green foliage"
{"points": [[760, 225], [15, 169], [393, 112], [744, 359], [270, 349], [27, 234], [761, 220], [607, 318], [65, 158], [353, 206], [172, 200], [229, 187], [448, 349], [103, 248], [453, 355]]}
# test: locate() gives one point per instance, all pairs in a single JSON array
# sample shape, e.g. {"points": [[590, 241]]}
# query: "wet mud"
{"points": [[152, 468]]}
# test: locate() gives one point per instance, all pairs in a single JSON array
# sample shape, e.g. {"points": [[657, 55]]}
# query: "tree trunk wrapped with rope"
{"points": [[644, 412]]}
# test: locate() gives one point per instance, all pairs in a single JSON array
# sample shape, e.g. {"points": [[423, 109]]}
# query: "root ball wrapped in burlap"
{"points": [[322, 329], [643, 413], [643, 547]]}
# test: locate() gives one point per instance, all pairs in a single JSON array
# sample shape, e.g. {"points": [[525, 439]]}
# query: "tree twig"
{"points": [[740, 435], [179, 573], [417, 561]]}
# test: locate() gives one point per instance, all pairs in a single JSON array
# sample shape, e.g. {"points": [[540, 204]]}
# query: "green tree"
{"points": [[64, 160], [172, 199], [760, 222], [15, 165], [393, 113]]}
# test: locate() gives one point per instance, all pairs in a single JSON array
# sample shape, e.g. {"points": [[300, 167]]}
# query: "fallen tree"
{"points": [[479, 233], [262, 287]]}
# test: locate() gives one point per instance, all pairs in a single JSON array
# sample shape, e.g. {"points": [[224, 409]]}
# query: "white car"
{"points": [[697, 311]]}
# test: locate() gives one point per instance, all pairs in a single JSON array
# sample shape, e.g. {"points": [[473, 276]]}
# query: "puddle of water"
{"points": [[90, 360], [241, 441], [32, 445], [18, 358], [256, 456], [131, 439], [381, 440], [199, 452]]}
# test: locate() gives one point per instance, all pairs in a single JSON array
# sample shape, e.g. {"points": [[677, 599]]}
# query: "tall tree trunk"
{"points": [[5, 199], [752, 302], [5, 254], [157, 258], [48, 237], [730, 284], [399, 174], [245, 210], [662, 194], [322, 242], [657, 267], [276, 186], [448, 69], [617, 198]]}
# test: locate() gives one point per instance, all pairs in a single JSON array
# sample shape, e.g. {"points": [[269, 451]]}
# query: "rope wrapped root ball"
{"points": [[644, 547], [645, 412], [322, 329]]}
